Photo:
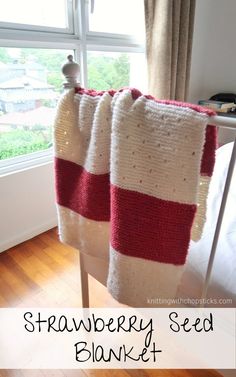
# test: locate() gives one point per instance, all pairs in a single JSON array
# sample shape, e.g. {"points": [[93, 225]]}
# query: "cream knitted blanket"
{"points": [[130, 174]]}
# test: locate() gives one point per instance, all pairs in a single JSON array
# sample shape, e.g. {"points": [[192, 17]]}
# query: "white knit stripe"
{"points": [[94, 121], [200, 216], [135, 281], [66, 135], [155, 151], [88, 236], [82, 131]]}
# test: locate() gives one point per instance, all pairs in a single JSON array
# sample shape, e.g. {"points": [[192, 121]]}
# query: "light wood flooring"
{"points": [[42, 272]]}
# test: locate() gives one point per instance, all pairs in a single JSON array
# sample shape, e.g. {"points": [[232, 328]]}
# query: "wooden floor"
{"points": [[44, 273]]}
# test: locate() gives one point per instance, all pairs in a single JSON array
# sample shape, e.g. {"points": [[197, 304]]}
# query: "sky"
{"points": [[114, 16], [34, 12]]}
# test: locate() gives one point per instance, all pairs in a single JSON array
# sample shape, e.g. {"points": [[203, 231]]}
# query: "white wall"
{"points": [[213, 67], [26, 204]]}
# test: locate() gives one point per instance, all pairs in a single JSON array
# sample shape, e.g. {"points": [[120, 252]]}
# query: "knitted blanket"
{"points": [[132, 175]]}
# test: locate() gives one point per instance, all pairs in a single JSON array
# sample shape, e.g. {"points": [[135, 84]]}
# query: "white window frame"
{"points": [[77, 38]]}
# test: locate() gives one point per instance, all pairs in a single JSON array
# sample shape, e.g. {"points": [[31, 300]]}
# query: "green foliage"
{"points": [[52, 59], [106, 72], [122, 68], [48, 103], [54, 79], [4, 55], [19, 142]]}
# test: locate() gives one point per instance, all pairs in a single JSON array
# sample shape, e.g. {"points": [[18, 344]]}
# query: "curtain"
{"points": [[169, 33]]}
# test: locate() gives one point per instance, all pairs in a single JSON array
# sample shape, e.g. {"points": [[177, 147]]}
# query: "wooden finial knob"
{"points": [[71, 72]]}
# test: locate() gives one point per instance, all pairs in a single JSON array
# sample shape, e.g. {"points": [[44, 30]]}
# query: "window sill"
{"points": [[16, 164]]}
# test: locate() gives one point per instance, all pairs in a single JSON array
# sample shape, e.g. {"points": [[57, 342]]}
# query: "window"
{"points": [[125, 17], [39, 14], [114, 70], [30, 85], [105, 36]]}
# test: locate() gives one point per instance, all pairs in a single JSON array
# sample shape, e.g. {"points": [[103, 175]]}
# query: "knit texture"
{"points": [[128, 170]]}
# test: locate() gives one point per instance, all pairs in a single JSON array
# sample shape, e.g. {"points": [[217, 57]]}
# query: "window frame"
{"points": [[81, 41]]}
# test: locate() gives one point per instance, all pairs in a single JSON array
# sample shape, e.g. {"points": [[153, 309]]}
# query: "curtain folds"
{"points": [[169, 34]]}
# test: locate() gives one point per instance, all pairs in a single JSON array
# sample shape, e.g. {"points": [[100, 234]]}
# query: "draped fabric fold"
{"points": [[169, 33], [128, 169]]}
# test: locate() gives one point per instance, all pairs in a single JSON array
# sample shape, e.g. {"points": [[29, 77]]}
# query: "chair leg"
{"points": [[84, 283]]}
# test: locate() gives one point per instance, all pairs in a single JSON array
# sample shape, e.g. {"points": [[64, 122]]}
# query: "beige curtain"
{"points": [[169, 32]]}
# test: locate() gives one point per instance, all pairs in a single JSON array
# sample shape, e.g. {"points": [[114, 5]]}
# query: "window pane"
{"points": [[33, 12], [30, 85], [117, 16], [114, 70]]}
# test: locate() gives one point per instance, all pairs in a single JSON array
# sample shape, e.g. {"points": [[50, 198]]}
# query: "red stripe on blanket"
{"points": [[136, 94], [146, 227], [208, 157], [141, 226], [83, 192]]}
